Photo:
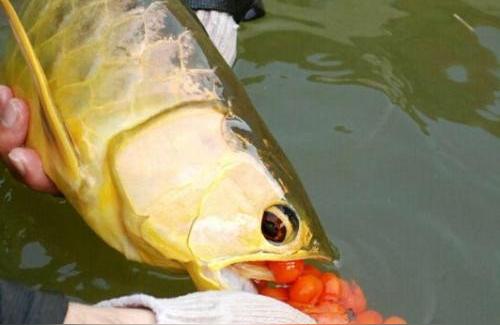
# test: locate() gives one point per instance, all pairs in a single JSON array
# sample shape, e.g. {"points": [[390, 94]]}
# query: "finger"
{"points": [[28, 166], [14, 120], [5, 95]]}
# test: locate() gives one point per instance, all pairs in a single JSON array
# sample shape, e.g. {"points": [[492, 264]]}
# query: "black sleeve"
{"points": [[21, 305], [239, 9]]}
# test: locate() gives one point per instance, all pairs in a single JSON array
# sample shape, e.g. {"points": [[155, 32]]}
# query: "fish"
{"points": [[150, 136]]}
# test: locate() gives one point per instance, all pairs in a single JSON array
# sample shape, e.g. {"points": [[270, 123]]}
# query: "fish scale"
{"points": [[137, 63], [135, 116]]}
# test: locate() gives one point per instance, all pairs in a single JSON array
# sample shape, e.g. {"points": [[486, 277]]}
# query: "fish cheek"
{"points": [[162, 170]]}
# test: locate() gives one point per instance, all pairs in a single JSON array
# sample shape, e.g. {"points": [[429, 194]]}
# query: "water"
{"points": [[390, 112]]}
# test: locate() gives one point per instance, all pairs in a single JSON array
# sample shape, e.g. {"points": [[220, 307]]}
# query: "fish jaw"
{"points": [[239, 273]]}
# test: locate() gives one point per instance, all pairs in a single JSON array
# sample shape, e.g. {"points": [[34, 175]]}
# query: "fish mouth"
{"points": [[242, 276], [243, 273]]}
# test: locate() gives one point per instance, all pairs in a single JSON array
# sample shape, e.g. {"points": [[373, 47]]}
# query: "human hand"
{"points": [[82, 314], [24, 162], [215, 307]]}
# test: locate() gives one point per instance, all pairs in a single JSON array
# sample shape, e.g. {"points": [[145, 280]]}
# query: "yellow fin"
{"points": [[61, 138]]}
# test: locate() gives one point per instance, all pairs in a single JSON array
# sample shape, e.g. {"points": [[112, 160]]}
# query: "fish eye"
{"points": [[279, 224]]}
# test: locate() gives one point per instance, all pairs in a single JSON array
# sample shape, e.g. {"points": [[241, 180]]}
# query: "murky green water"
{"points": [[390, 111]]}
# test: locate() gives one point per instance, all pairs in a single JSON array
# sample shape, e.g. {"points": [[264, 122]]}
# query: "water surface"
{"points": [[390, 112]]}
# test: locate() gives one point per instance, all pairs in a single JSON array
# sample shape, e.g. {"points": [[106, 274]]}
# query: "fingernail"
{"points": [[10, 114], [4, 95], [17, 159]]}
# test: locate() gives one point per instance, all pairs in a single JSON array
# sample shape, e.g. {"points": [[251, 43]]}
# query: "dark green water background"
{"points": [[390, 112]]}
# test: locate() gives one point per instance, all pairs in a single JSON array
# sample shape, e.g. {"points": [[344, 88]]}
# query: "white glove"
{"points": [[215, 307], [223, 32]]}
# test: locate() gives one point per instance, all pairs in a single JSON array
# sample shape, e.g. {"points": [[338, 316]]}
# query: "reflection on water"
{"points": [[457, 73], [420, 54], [34, 256], [390, 111]]}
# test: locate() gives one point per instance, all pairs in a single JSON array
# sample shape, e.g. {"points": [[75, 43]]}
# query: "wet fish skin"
{"points": [[151, 137]]}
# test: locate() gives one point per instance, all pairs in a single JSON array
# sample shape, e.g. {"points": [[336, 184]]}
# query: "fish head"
{"points": [[255, 210], [209, 191]]}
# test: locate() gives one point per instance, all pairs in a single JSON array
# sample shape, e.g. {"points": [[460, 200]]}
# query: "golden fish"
{"points": [[147, 132]]}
